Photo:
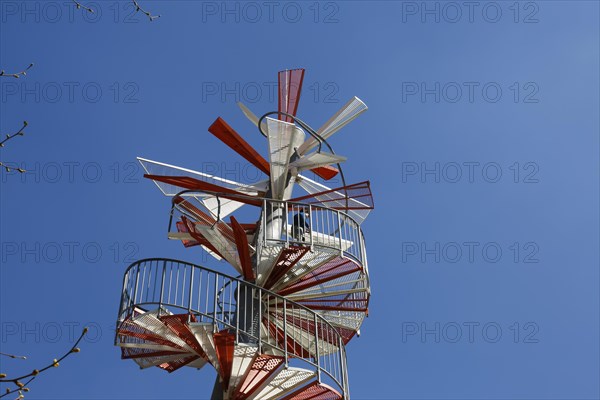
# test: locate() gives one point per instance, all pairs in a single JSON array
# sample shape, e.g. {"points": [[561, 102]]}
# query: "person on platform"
{"points": [[301, 225]]}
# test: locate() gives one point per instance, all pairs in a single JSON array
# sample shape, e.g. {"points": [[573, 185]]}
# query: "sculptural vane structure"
{"points": [[279, 329]]}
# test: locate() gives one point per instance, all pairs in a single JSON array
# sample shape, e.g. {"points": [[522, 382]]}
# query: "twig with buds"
{"points": [[148, 14], [13, 356], [6, 139], [18, 74], [80, 6], [21, 387]]}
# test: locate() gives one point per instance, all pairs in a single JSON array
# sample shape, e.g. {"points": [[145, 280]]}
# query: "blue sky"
{"points": [[481, 144]]}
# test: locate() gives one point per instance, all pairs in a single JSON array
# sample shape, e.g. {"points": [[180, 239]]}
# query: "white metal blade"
{"points": [[251, 116], [159, 168], [283, 138], [347, 113], [315, 160], [228, 206]]}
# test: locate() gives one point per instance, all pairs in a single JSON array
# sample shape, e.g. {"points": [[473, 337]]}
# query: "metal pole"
{"points": [[137, 275], [317, 349], [345, 377], [264, 218], [237, 314], [259, 319], [287, 225], [340, 232], [285, 332], [310, 225], [162, 286], [190, 293], [342, 371], [216, 300]]}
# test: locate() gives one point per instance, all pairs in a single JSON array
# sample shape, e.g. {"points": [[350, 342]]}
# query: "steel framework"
{"points": [[279, 329]]}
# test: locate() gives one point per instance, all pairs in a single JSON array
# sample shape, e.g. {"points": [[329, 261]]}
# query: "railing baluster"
{"points": [[142, 285], [216, 298], [264, 221], [259, 316], [340, 232], [317, 349], [328, 231], [199, 290], [190, 293], [310, 228], [237, 313], [137, 276], [207, 294], [162, 286], [176, 285], [229, 306], [287, 225], [155, 282], [343, 383], [285, 332], [170, 281], [183, 286], [246, 308], [267, 314], [329, 350]]}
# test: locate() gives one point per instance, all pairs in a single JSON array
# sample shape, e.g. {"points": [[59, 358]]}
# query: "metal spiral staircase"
{"points": [[279, 330]]}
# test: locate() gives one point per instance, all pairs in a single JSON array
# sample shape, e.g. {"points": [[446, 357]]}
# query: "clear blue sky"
{"points": [[484, 285]]}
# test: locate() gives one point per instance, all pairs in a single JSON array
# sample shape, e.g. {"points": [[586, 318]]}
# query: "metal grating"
{"points": [[285, 381], [262, 369], [178, 324], [314, 391], [288, 257], [333, 269]]}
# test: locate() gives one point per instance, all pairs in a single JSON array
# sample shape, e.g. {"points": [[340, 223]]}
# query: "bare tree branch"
{"points": [[79, 6], [9, 137], [17, 74], [13, 356], [19, 133], [19, 389], [148, 14], [22, 387]]}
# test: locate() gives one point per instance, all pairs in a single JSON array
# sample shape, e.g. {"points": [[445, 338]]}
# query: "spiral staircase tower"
{"points": [[279, 329]]}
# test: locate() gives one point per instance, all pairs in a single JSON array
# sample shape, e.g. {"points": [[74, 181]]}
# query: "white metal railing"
{"points": [[287, 222], [264, 318], [300, 223]]}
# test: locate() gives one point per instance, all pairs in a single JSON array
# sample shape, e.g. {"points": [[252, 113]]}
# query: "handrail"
{"points": [[328, 228], [345, 219], [316, 342], [239, 196]]}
